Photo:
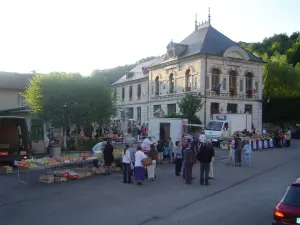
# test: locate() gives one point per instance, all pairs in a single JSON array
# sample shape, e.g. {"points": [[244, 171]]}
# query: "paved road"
{"points": [[238, 196]]}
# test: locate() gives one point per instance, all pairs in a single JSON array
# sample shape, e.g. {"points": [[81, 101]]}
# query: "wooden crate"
{"points": [[6, 170], [46, 179]]}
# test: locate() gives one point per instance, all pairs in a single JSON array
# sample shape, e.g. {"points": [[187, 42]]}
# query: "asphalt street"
{"points": [[237, 196]]}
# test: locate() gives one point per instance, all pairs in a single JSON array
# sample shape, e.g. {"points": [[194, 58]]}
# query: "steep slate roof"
{"points": [[210, 41], [137, 72], [16, 81]]}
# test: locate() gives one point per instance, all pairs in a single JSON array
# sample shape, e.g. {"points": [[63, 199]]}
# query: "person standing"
{"points": [[151, 169], [205, 156], [288, 137], [202, 138], [126, 163], [211, 168], [232, 152], [171, 149], [189, 160], [160, 148], [238, 150], [247, 153], [177, 158], [139, 169], [108, 156]]}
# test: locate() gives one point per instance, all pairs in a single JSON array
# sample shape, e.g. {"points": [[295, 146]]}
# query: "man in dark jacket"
{"points": [[238, 150], [205, 155]]}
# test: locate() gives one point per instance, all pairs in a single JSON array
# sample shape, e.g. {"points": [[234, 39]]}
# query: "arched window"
{"points": [[188, 80], [157, 85], [130, 92], [232, 79], [249, 84], [171, 83], [215, 78], [249, 81]]}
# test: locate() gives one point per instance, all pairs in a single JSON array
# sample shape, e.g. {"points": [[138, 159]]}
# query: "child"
{"points": [[166, 153], [247, 153]]}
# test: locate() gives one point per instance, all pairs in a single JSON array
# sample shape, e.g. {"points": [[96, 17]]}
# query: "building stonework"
{"points": [[228, 77]]}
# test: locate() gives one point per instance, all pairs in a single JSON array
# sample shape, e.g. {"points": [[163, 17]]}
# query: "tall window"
{"points": [[21, 100], [231, 108], [232, 79], [139, 91], [123, 93], [139, 113], [249, 81], [130, 92], [157, 85], [171, 108], [171, 83], [248, 108], [188, 80], [215, 78], [115, 94]]}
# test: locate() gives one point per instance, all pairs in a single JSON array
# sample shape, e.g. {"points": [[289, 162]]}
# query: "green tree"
{"points": [[190, 105], [65, 99], [280, 78]]}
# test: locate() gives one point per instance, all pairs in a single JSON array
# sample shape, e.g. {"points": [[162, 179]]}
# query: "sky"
{"points": [[84, 35]]}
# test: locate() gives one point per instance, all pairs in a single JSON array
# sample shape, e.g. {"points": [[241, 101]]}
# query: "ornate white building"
{"points": [[207, 62]]}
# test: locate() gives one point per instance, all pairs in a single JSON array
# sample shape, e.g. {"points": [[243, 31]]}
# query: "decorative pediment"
{"points": [[236, 53]]}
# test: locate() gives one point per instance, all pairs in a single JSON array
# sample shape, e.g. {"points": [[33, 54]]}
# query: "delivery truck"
{"points": [[224, 125]]}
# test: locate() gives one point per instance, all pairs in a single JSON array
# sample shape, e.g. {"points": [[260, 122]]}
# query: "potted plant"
{"points": [[249, 93]]}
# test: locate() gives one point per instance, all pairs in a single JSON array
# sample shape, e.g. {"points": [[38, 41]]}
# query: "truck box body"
{"points": [[163, 128]]}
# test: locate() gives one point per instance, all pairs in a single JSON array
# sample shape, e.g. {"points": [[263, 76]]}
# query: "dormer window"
{"points": [[129, 74], [145, 70]]}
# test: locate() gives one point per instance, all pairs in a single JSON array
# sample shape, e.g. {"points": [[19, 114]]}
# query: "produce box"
{"points": [[6, 170], [115, 169], [100, 171], [82, 173], [47, 179]]}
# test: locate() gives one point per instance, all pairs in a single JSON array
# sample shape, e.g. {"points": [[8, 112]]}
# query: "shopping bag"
{"points": [[147, 161]]}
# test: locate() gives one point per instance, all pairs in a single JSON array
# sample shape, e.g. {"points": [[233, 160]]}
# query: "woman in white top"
{"points": [[126, 162], [139, 169]]}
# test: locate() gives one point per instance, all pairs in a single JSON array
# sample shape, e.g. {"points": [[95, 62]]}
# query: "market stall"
{"points": [[258, 142], [55, 168]]}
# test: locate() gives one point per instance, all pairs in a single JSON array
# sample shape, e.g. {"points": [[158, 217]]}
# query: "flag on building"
{"points": [[218, 86]]}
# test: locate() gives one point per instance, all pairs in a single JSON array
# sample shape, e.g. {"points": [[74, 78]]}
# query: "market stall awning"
{"points": [[20, 109]]}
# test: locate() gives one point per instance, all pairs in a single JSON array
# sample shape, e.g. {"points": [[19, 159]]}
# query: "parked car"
{"points": [[287, 211], [14, 139]]}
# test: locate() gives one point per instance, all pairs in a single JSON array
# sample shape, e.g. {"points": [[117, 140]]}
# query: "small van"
{"points": [[14, 139]]}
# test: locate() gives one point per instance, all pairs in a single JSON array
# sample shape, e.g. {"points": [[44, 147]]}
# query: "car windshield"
{"points": [[292, 196], [214, 126]]}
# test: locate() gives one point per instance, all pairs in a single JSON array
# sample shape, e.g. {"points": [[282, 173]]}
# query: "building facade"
{"points": [[131, 93], [207, 62]]}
